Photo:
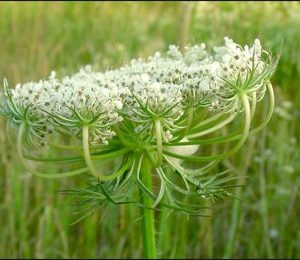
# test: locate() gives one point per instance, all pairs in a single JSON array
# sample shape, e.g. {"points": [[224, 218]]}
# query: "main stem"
{"points": [[148, 228]]}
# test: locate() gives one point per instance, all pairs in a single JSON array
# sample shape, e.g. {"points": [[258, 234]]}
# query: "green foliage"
{"points": [[35, 219]]}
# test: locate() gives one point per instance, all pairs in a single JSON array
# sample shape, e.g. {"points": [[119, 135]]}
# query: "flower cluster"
{"points": [[154, 106], [164, 85]]}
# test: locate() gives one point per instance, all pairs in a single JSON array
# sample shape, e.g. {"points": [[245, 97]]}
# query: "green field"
{"points": [[37, 221]]}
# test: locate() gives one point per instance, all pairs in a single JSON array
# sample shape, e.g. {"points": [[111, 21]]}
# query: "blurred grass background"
{"points": [[35, 220]]}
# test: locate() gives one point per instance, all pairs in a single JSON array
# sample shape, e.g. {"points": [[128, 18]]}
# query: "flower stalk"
{"points": [[86, 151], [158, 131], [147, 212]]}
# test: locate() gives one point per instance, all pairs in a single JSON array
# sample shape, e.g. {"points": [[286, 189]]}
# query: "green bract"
{"points": [[166, 112]]}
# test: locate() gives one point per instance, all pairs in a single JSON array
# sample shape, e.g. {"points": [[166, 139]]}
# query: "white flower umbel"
{"points": [[158, 125], [153, 115]]}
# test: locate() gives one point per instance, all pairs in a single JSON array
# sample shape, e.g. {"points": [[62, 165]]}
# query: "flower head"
{"points": [[167, 108]]}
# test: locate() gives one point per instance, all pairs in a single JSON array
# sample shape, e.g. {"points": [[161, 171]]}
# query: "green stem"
{"points": [[165, 230], [159, 142], [189, 119], [148, 228], [214, 128], [50, 175], [188, 123], [235, 136], [94, 156], [247, 123], [86, 151], [243, 138], [270, 112], [88, 159], [208, 120]]}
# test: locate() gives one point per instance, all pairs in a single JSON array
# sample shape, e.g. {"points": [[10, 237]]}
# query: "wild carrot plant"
{"points": [[145, 131]]}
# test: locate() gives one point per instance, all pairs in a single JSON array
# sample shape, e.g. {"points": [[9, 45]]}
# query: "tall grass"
{"points": [[35, 219]]}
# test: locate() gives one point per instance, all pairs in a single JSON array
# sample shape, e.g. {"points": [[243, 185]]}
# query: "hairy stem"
{"points": [[148, 228]]}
